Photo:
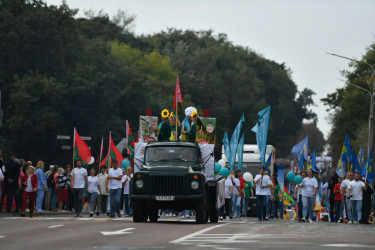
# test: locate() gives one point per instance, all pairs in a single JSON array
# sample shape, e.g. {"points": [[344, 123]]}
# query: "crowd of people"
{"points": [[23, 186]]}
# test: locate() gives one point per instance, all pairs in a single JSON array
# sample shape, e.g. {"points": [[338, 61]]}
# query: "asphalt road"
{"points": [[67, 232]]}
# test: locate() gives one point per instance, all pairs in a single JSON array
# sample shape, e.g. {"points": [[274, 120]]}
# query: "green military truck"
{"points": [[172, 177]]}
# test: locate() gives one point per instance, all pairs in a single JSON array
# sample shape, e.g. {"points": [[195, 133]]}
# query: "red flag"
{"points": [[105, 160], [81, 150], [177, 95], [113, 151], [130, 138]]}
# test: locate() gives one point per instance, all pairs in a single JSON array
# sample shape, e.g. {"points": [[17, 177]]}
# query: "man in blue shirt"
{"points": [[42, 182]]}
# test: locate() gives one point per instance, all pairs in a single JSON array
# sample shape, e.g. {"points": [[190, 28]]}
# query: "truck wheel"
{"points": [[201, 213], [214, 215], [153, 214], [139, 213]]}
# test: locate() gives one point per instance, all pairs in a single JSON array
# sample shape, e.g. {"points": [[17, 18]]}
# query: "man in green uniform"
{"points": [[249, 192], [174, 123], [193, 128], [164, 130]]}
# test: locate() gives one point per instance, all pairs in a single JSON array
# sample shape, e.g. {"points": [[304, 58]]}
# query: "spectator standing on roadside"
{"points": [[236, 198], [355, 193], [42, 185], [62, 188], [29, 186], [11, 176], [309, 188], [339, 208], [263, 185], [366, 202], [70, 203], [298, 196], [51, 182], [103, 195], [47, 194], [346, 201], [77, 184], [126, 181], [93, 191], [114, 187]]}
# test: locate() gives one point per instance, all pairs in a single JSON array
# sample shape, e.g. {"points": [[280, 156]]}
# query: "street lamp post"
{"points": [[371, 116]]}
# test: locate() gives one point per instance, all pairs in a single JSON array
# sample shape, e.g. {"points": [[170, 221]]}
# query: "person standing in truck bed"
{"points": [[164, 129]]}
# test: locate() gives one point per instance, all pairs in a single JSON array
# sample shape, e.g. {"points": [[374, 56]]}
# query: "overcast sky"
{"points": [[296, 32]]}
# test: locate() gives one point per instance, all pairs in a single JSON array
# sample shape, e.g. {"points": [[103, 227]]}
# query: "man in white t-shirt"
{"points": [[126, 181], [355, 192], [263, 185], [103, 197], [114, 186], [236, 199], [77, 184], [346, 200]]}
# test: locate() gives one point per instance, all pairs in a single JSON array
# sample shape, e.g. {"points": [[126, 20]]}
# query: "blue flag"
{"points": [[368, 168], [234, 142], [346, 153], [312, 164], [240, 152], [361, 157], [268, 165], [280, 176], [356, 167], [304, 144], [301, 160], [262, 133], [226, 146], [186, 123]]}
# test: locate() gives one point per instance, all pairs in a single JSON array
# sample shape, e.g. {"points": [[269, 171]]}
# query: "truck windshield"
{"points": [[177, 154]]}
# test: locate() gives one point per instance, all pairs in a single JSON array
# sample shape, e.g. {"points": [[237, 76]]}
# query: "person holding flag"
{"points": [[175, 127]]}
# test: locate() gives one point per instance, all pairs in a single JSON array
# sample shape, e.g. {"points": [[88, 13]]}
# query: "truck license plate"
{"points": [[164, 198]]}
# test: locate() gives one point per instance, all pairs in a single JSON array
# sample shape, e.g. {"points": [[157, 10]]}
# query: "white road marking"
{"points": [[1, 236], [122, 231], [84, 218], [344, 245], [184, 238], [55, 226]]}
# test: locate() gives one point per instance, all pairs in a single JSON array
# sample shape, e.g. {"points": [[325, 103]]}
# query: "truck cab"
{"points": [[172, 178]]}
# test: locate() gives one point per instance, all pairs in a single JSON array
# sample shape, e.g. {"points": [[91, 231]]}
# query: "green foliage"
{"points": [[58, 72], [351, 106]]}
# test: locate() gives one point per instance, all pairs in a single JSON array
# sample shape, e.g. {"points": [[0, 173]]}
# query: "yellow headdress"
{"points": [[165, 113], [171, 115], [194, 114]]}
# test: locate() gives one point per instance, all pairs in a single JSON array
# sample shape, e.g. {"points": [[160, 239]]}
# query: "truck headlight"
{"points": [[194, 185], [139, 184]]}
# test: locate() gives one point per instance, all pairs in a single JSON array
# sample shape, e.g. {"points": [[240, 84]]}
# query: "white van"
{"points": [[251, 162]]}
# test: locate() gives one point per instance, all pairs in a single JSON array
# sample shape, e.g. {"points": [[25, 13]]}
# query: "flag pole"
{"points": [[127, 137], [74, 144], [109, 150], [176, 94], [101, 153]]}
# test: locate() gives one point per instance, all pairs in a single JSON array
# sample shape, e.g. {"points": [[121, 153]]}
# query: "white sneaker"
{"points": [[188, 216], [166, 215], [310, 221], [350, 222], [221, 217]]}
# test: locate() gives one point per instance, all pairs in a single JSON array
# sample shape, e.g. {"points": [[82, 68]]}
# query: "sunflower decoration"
{"points": [[165, 113]]}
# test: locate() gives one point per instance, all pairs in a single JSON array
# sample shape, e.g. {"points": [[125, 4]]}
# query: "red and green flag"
{"points": [[177, 102], [130, 139], [113, 151], [287, 195], [80, 149]]}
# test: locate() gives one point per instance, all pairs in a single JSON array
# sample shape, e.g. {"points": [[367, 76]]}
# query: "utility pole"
{"points": [[372, 103]]}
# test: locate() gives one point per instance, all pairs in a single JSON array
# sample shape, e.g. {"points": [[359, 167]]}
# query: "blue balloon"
{"points": [[125, 164], [298, 179], [224, 172], [290, 176], [217, 167]]}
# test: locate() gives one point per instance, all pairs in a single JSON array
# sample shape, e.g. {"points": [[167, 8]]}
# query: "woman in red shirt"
{"points": [[338, 201], [29, 185]]}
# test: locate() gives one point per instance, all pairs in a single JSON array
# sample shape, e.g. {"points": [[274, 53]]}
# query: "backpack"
{"points": [[51, 181]]}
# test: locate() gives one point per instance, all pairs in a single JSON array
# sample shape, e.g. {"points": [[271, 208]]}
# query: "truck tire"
{"points": [[214, 215], [201, 212], [139, 212], [153, 214]]}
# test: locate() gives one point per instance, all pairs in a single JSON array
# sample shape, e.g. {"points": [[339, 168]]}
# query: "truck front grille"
{"points": [[167, 183]]}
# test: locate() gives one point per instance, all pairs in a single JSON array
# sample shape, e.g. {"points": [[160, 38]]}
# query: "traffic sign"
{"points": [[63, 137]]}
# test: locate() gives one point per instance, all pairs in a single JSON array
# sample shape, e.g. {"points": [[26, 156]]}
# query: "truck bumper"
{"points": [[180, 202], [176, 198]]}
